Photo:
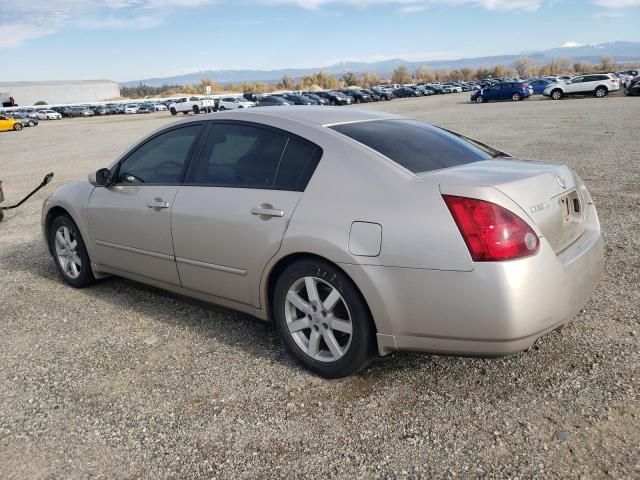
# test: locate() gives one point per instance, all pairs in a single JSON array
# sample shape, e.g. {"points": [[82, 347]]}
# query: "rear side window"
{"points": [[416, 146], [247, 156]]}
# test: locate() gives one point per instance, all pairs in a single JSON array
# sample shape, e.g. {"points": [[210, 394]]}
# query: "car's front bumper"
{"points": [[496, 309]]}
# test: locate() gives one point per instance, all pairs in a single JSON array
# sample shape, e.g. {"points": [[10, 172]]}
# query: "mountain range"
{"points": [[621, 52]]}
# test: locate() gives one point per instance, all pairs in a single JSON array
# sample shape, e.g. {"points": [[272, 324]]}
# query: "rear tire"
{"points": [[331, 334], [515, 97], [196, 109], [222, 108], [67, 247], [32, 123], [601, 92], [17, 127], [173, 111], [556, 94]]}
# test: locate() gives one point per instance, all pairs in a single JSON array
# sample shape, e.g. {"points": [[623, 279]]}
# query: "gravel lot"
{"points": [[125, 381]]}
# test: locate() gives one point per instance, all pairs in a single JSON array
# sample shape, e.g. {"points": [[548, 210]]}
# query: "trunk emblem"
{"points": [[561, 181]]}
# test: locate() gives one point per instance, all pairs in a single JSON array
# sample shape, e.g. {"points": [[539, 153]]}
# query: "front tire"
{"points": [[556, 94], [196, 109], [479, 99], [173, 111], [322, 318], [69, 252], [17, 127], [601, 92]]}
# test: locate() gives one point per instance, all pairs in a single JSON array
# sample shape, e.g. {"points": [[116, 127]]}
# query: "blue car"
{"points": [[515, 91], [539, 85]]}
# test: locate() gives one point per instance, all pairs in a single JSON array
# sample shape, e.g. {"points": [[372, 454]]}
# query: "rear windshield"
{"points": [[416, 146]]}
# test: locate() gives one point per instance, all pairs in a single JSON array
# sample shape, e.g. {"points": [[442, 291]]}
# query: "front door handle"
{"points": [[267, 211], [157, 203]]}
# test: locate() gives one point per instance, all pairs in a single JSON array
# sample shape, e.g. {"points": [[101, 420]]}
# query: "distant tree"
{"points": [[287, 83], [401, 75], [349, 79], [564, 65], [40, 102], [467, 74], [499, 71], [583, 67], [321, 79], [368, 80], [424, 74], [207, 82], [482, 73], [525, 67], [455, 75], [607, 64]]}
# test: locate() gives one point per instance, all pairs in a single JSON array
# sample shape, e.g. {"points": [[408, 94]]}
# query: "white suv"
{"points": [[191, 104], [598, 84], [231, 103]]}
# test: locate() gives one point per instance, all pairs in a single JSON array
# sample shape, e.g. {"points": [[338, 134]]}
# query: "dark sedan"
{"points": [[405, 92], [272, 101], [336, 98]]}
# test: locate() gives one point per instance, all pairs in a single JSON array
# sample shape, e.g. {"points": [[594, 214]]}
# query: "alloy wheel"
{"points": [[67, 252], [318, 319]]}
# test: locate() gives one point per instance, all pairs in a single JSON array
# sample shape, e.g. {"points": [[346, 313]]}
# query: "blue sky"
{"points": [[132, 39]]}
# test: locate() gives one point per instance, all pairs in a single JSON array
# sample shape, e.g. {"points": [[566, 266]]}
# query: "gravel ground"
{"points": [[125, 381]]}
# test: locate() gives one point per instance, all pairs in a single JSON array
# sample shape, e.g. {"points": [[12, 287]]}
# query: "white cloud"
{"points": [[526, 5], [412, 9], [22, 20], [617, 3], [572, 45]]}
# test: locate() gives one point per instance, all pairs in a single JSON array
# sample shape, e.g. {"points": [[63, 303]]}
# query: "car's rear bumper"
{"points": [[496, 309]]}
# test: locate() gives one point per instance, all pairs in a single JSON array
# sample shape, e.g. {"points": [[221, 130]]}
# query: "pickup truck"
{"points": [[192, 104]]}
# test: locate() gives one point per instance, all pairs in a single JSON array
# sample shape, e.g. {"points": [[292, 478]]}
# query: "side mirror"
{"points": [[103, 177]]}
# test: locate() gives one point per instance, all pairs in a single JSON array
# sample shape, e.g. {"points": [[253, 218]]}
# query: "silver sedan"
{"points": [[355, 232]]}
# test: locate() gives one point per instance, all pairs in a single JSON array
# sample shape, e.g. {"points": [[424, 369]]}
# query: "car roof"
{"points": [[310, 115]]}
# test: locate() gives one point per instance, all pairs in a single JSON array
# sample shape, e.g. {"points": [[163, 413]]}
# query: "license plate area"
{"points": [[571, 209]]}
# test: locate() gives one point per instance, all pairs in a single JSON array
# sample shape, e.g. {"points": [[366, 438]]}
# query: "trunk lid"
{"points": [[549, 194]]}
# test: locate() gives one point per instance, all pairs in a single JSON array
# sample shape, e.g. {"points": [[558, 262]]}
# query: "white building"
{"points": [[55, 92]]}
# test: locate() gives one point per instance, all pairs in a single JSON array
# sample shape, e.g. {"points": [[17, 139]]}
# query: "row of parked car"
{"points": [[556, 88], [32, 115], [346, 96]]}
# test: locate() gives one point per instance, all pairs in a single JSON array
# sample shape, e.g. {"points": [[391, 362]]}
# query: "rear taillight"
{"points": [[492, 233]]}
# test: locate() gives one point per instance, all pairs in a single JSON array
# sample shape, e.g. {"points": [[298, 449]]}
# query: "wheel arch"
{"points": [[52, 214], [281, 264]]}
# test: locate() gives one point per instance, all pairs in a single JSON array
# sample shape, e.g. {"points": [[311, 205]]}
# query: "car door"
{"points": [[5, 123], [130, 220], [575, 85], [492, 92], [230, 217]]}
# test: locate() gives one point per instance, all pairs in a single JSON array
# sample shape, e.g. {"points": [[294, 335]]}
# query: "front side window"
{"points": [[416, 146], [246, 156], [161, 160]]}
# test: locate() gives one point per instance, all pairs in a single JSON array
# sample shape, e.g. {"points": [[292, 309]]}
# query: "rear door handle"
{"points": [[158, 204], [267, 211]]}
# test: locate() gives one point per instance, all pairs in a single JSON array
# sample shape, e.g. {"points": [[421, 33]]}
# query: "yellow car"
{"points": [[8, 123]]}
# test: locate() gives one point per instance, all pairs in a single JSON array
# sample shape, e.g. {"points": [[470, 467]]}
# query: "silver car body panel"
{"points": [[413, 267]]}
